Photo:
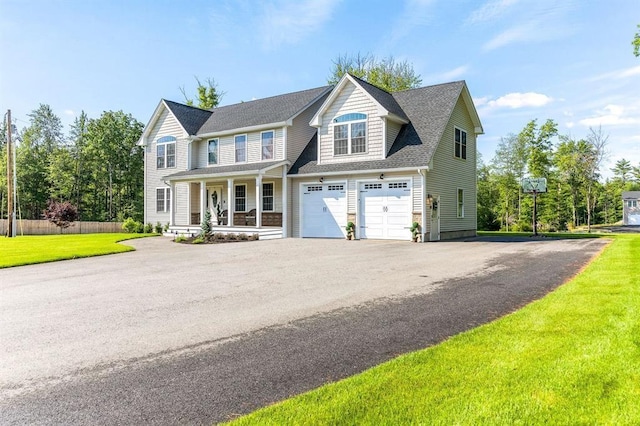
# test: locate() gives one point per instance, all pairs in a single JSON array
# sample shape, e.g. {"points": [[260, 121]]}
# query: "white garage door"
{"points": [[324, 210], [385, 210], [633, 219]]}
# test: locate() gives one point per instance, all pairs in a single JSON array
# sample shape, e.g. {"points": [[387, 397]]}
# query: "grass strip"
{"points": [[31, 249], [572, 357]]}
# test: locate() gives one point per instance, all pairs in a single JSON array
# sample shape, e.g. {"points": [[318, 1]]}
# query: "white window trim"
{"points": [[166, 144], [273, 196], [466, 143], [217, 151], [246, 148], [273, 145], [349, 138], [167, 199], [235, 198], [459, 211]]}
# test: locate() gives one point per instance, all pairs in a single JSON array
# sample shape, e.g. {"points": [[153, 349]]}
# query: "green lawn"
{"points": [[31, 249], [570, 358]]}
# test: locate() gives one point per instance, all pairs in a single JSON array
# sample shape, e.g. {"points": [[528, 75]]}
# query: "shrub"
{"points": [[61, 214], [206, 223], [243, 237], [198, 240], [148, 228], [180, 238], [166, 227], [130, 225], [158, 228], [139, 227], [230, 237]]}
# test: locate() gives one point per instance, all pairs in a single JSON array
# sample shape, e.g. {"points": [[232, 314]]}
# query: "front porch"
{"points": [[251, 202]]}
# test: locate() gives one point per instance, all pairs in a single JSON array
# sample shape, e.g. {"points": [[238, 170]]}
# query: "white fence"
{"points": [[44, 227]]}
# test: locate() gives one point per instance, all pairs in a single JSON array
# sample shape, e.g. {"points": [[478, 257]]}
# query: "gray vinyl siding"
{"points": [[393, 129], [351, 99], [450, 173], [166, 125], [227, 148], [300, 133], [352, 182]]}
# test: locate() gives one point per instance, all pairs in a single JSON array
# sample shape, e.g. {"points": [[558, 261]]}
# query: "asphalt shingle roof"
{"points": [[385, 98], [191, 118], [427, 108], [261, 111], [224, 170]]}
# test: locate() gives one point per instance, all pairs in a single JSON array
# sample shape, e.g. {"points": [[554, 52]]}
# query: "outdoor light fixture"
{"points": [[381, 176], [321, 179]]}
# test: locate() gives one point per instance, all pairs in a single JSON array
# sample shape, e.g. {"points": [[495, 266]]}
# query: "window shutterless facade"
{"points": [[267, 145], [241, 198], [241, 148], [460, 141], [460, 203], [163, 200], [350, 134], [212, 150], [166, 152], [267, 196]]}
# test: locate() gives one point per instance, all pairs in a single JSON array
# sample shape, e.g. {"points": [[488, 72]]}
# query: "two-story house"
{"points": [[305, 164]]}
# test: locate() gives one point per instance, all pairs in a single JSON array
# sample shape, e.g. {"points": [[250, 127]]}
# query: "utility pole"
{"points": [[9, 178]]}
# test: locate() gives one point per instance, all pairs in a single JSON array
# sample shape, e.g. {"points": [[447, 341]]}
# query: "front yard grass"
{"points": [[572, 357], [32, 249]]}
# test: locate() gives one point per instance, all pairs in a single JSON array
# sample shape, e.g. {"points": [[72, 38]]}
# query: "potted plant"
{"points": [[415, 232], [350, 228]]}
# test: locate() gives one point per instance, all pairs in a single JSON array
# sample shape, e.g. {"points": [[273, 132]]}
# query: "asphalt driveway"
{"points": [[195, 334]]}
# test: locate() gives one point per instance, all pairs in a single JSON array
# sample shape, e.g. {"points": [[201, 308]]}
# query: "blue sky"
{"points": [[567, 60]]}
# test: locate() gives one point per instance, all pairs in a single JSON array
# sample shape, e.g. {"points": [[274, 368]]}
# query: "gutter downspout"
{"points": [[423, 202]]}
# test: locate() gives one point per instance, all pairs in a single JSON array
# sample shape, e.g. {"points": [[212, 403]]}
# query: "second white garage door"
{"points": [[385, 210], [324, 210]]}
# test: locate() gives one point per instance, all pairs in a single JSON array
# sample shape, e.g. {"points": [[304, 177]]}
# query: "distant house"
{"points": [[305, 164], [631, 208]]}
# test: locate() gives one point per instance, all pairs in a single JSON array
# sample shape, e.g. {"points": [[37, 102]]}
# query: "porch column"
{"points": [[172, 203], [285, 200], [203, 200], [258, 201], [231, 201]]}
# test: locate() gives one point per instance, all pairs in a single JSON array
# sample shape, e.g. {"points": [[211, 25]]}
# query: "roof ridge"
{"points": [[275, 96], [429, 86]]}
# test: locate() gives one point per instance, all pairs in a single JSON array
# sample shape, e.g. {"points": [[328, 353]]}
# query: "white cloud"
{"points": [[449, 75], [520, 100], [290, 21], [481, 101], [518, 33], [618, 74], [490, 10], [611, 115], [69, 112]]}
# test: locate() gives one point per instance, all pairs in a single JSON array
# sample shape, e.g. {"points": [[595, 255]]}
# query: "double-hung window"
{"points": [[350, 134], [163, 199], [632, 203], [241, 198], [460, 141], [267, 145], [241, 148], [267, 196], [166, 152], [212, 150], [460, 202]]}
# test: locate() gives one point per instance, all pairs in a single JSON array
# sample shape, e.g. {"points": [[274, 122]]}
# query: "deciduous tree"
{"points": [[387, 74], [209, 96]]}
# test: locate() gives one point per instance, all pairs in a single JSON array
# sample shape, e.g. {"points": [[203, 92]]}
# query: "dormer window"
{"points": [[166, 152], [350, 134]]}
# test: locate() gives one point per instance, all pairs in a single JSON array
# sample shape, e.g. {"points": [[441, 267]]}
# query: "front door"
{"points": [[216, 203]]}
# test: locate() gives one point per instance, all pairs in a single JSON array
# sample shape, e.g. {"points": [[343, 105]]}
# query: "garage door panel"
{"points": [[385, 210], [633, 219], [323, 211]]}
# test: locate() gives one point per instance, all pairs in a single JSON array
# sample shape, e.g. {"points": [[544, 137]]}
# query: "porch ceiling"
{"points": [[250, 169]]}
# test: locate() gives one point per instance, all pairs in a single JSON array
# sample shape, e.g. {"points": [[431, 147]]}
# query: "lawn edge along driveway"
{"points": [[34, 249], [571, 357]]}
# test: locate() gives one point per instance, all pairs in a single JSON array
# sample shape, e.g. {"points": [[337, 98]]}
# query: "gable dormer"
{"points": [[353, 122]]}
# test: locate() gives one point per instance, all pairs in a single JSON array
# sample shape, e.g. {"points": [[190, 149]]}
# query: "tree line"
{"points": [[97, 166], [576, 195]]}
